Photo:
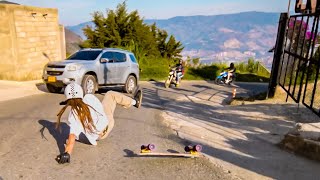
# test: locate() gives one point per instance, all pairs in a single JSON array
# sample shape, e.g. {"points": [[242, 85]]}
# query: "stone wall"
{"points": [[30, 37]]}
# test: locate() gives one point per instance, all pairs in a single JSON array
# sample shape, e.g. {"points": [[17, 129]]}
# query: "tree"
{"points": [[127, 30], [173, 49], [195, 61], [250, 67]]}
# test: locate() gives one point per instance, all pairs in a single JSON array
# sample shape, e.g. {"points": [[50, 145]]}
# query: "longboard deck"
{"points": [[169, 154]]}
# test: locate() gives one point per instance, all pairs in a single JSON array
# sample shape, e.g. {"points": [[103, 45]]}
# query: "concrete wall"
{"points": [[29, 38]]}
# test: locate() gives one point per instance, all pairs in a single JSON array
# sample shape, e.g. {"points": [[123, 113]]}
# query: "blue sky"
{"points": [[73, 12]]}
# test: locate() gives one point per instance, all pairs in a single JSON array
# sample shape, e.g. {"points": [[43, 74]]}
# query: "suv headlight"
{"points": [[73, 67]]}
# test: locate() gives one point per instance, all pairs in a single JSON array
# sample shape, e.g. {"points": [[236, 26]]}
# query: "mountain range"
{"points": [[227, 37]]}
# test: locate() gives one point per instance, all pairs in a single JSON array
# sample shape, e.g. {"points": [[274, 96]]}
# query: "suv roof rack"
{"points": [[118, 49], [90, 49]]}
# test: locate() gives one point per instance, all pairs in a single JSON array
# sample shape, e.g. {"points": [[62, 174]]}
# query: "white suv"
{"points": [[93, 68]]}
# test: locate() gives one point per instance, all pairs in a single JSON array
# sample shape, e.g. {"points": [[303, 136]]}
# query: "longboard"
{"points": [[191, 151], [155, 154]]}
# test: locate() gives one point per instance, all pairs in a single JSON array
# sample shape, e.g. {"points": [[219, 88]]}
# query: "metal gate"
{"points": [[296, 62]]}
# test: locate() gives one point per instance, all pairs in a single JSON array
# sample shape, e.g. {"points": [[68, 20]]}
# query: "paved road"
{"points": [[242, 139], [29, 143], [238, 138]]}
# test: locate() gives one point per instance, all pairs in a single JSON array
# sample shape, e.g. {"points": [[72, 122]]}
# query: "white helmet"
{"points": [[73, 90]]}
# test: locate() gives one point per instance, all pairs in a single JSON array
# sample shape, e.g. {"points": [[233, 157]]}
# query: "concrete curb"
{"points": [[13, 89], [304, 147]]}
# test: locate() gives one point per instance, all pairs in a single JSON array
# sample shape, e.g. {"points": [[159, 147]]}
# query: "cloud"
{"points": [[226, 30], [232, 43]]}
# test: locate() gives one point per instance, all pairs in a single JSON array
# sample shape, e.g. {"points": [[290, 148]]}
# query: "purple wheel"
{"points": [[197, 147], [151, 146]]}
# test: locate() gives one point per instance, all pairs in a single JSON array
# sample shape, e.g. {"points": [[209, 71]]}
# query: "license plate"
{"points": [[52, 79]]}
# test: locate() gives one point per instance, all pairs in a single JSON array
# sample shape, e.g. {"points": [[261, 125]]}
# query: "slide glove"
{"points": [[63, 158]]}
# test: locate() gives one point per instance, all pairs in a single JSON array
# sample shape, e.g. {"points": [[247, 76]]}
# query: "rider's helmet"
{"points": [[73, 90], [180, 61], [231, 65]]}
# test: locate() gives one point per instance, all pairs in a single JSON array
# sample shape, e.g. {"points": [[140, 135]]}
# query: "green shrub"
{"points": [[251, 77], [154, 68], [205, 72]]}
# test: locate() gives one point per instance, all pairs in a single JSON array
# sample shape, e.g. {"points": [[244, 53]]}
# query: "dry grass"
{"points": [[309, 91]]}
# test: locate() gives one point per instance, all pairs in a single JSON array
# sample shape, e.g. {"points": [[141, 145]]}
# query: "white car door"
{"points": [[123, 67], [108, 70]]}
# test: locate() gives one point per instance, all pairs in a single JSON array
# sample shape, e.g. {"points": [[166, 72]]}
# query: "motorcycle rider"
{"points": [[180, 71], [231, 70]]}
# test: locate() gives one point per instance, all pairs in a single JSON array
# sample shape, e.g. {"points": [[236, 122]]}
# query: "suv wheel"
{"points": [[89, 84], [53, 89], [130, 85]]}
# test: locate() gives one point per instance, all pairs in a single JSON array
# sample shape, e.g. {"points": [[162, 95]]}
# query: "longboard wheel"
{"points": [[151, 146], [197, 147], [148, 147]]}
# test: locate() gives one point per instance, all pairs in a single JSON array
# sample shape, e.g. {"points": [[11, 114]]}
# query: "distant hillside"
{"points": [[215, 30], [229, 37], [78, 28], [72, 41]]}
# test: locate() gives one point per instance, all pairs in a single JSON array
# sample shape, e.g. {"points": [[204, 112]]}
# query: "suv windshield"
{"points": [[84, 55]]}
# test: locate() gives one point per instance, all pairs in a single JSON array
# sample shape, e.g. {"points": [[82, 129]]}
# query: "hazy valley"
{"points": [[229, 37]]}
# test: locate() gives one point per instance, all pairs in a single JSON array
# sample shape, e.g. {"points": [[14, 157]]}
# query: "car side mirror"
{"points": [[104, 60]]}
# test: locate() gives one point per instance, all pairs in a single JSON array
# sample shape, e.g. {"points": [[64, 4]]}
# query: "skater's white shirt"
{"points": [[98, 116]]}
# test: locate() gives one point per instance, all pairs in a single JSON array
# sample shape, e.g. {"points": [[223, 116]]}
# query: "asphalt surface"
{"points": [[29, 143], [239, 142], [242, 138]]}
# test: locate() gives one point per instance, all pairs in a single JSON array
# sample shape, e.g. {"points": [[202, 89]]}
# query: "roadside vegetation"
{"points": [[154, 48], [250, 71]]}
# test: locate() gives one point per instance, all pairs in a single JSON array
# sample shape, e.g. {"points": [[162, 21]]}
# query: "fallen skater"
{"points": [[90, 116]]}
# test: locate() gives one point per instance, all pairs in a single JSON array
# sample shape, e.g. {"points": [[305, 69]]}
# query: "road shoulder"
{"points": [[13, 89]]}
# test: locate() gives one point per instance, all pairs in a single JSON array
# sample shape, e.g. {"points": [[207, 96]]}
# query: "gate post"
{"points": [[277, 55]]}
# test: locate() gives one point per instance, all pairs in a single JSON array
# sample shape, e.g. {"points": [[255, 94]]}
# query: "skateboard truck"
{"points": [[193, 149], [147, 148]]}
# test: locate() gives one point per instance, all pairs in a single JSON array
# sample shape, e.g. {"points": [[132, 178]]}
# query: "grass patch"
{"points": [[251, 77], [202, 73], [153, 73], [154, 69]]}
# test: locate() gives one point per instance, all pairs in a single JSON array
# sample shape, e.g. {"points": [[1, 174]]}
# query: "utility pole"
{"points": [[289, 3], [277, 55]]}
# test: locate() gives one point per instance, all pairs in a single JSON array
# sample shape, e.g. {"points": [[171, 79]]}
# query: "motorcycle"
{"points": [[172, 78], [222, 78]]}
